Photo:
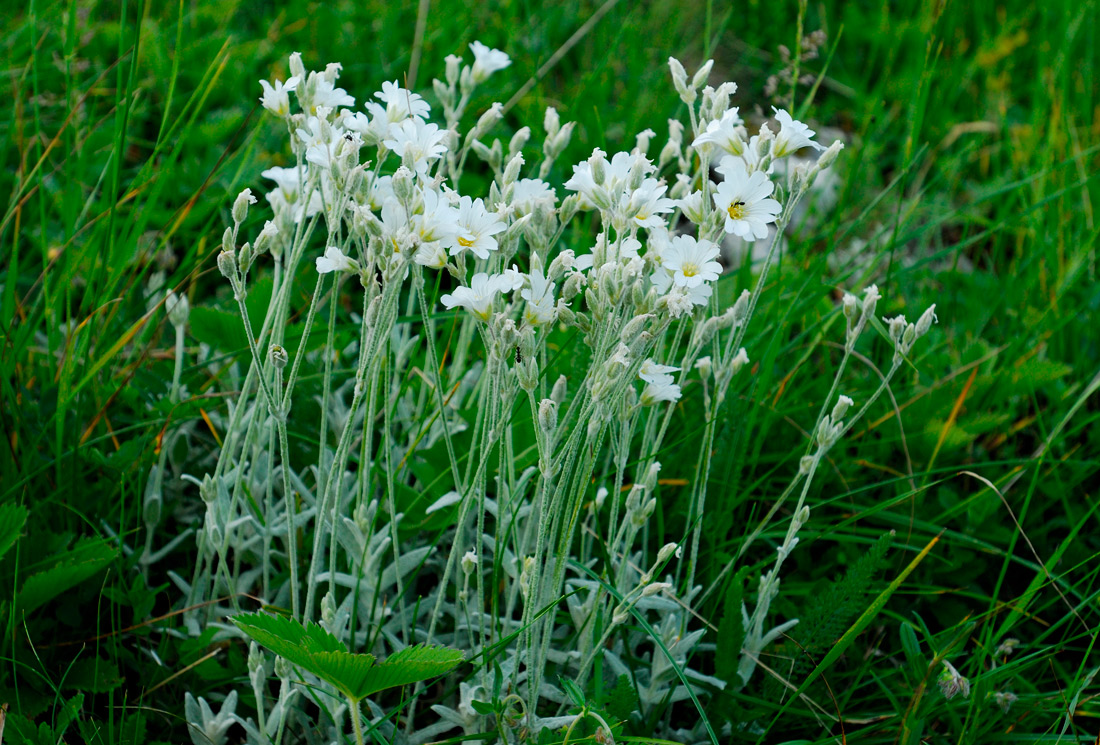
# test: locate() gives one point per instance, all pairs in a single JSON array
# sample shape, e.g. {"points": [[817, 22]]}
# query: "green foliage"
{"points": [[355, 675], [86, 559]]}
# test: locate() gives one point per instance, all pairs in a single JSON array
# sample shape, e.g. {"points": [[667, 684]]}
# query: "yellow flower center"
{"points": [[736, 210], [465, 242], [689, 269]]}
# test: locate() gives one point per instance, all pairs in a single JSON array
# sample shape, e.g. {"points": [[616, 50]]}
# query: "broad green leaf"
{"points": [[12, 518], [75, 566], [572, 690], [355, 675]]}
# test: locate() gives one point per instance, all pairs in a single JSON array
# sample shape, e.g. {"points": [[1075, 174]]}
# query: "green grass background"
{"points": [[970, 180]]}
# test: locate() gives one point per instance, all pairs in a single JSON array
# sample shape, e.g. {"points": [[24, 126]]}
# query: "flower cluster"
{"points": [[383, 183]]}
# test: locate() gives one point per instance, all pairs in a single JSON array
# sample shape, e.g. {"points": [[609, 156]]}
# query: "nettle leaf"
{"points": [[83, 561], [12, 518], [355, 675]]}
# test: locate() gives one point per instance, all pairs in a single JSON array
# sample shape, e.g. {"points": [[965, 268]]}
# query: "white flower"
{"points": [[647, 202], [692, 262], [475, 230], [400, 103], [431, 255], [540, 299], [664, 390], [487, 61], [334, 260], [276, 99], [651, 372], [726, 133], [438, 221], [478, 297], [373, 128], [692, 207], [793, 135], [529, 194], [287, 194], [417, 143], [328, 95], [744, 197]]}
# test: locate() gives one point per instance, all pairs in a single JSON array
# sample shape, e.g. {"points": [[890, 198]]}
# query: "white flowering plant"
{"points": [[477, 508]]}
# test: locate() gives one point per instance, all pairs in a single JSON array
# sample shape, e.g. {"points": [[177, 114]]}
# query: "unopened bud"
{"points": [[841, 408], [453, 65], [511, 171], [551, 122], [178, 309], [653, 589], [297, 69], [227, 264], [548, 415], [559, 391], [702, 74], [240, 205], [926, 320], [519, 141], [680, 81], [469, 563], [403, 184], [828, 157], [279, 357], [666, 552]]}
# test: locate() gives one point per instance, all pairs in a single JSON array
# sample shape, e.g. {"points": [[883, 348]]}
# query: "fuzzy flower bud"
{"points": [[511, 171], [279, 357], [297, 69], [559, 391], [551, 122], [178, 309], [666, 552], [469, 563], [680, 81], [403, 184], [488, 120], [548, 415], [841, 408], [227, 264], [924, 323], [701, 75], [828, 157], [240, 205], [653, 589]]}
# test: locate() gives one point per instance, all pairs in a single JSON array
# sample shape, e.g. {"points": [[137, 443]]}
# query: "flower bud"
{"points": [[896, 327], [328, 611], [469, 562], [828, 157], [279, 356], [870, 299], [283, 669], [297, 69], [227, 264], [739, 360], [453, 65], [634, 327], [240, 205], [527, 372], [559, 391], [227, 241], [666, 552], [488, 120], [851, 309], [244, 257], [266, 236], [548, 415], [519, 141], [551, 123], [841, 408], [511, 171], [805, 464], [255, 658], [653, 589], [403, 184], [680, 81], [926, 320], [178, 309], [702, 74]]}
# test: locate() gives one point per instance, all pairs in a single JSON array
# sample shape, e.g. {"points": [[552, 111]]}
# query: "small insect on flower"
{"points": [[745, 200]]}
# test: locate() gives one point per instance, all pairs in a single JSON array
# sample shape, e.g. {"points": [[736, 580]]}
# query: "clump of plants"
{"points": [[461, 544]]}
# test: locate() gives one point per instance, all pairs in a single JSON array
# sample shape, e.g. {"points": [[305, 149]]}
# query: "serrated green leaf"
{"points": [[12, 518], [75, 566], [355, 675]]}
